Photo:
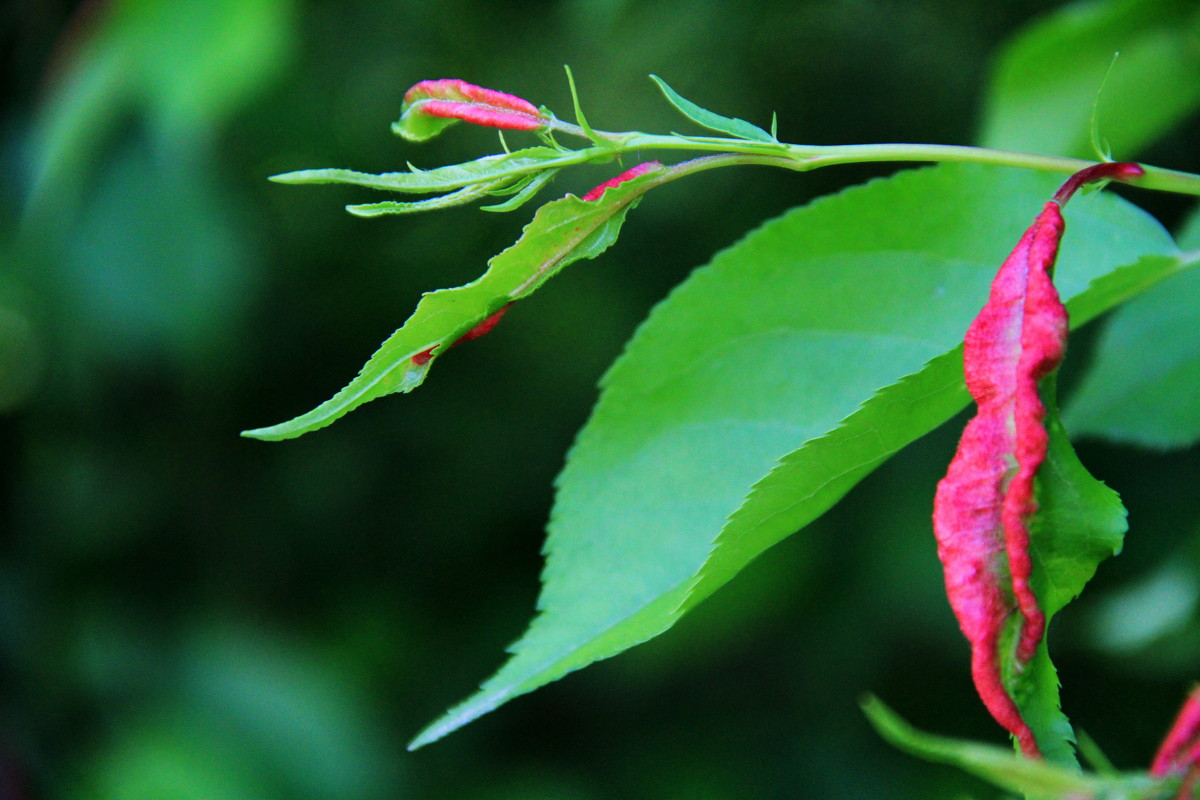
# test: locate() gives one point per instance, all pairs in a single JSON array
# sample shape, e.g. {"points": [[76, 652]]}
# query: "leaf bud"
{"points": [[430, 106]]}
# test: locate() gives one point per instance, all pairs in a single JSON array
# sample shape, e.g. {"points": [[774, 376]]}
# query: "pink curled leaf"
{"points": [[430, 106], [983, 505], [627, 175]]}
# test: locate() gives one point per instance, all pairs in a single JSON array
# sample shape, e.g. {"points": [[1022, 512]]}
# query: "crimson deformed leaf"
{"points": [[772, 381], [987, 503], [562, 231], [982, 504]]}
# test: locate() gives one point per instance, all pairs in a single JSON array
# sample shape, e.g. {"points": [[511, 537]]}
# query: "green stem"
{"points": [[806, 157]]}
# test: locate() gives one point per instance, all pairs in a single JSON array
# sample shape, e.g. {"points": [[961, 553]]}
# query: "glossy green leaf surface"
{"points": [[738, 128], [773, 380], [562, 231], [1079, 523], [1045, 85]]}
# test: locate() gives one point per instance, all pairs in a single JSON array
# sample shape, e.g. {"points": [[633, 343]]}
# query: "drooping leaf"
{"points": [[562, 231], [1142, 385], [1000, 766], [737, 128], [982, 506], [1045, 83], [986, 508], [772, 381]]}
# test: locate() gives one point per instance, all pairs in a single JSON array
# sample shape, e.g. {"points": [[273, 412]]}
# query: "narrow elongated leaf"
{"points": [[563, 231], [738, 128], [773, 380], [1045, 84], [525, 190], [442, 179], [460, 197]]}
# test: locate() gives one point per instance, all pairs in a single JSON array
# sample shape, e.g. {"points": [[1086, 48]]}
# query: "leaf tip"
{"points": [[296, 176]]}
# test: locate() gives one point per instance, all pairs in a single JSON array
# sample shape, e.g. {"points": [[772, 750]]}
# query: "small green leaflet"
{"points": [[737, 128], [771, 381], [562, 231]]}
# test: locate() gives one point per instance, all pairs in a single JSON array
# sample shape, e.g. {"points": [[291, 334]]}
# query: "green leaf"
{"points": [[515, 165], [1080, 522], [1045, 83], [580, 119], [773, 380], [461, 197], [737, 128], [1000, 766], [526, 190], [1143, 386], [562, 231]]}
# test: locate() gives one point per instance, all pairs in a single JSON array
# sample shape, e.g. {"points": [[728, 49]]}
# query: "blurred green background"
{"points": [[184, 613]]}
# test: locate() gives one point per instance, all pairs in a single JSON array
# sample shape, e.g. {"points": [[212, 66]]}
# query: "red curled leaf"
{"points": [[980, 506], [1180, 750], [983, 506], [627, 175], [430, 106]]}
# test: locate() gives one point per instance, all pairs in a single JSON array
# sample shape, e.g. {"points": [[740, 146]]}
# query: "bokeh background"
{"points": [[188, 614]]}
